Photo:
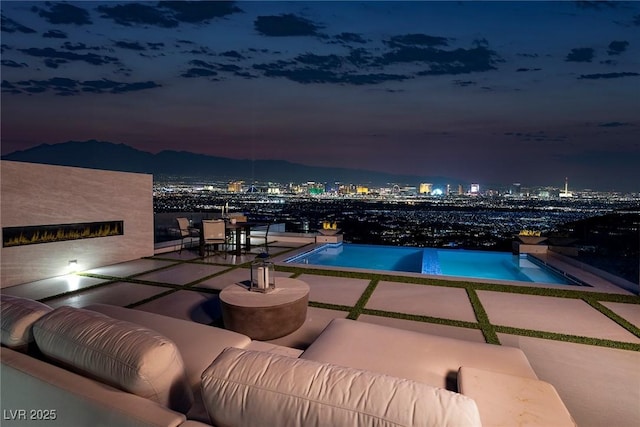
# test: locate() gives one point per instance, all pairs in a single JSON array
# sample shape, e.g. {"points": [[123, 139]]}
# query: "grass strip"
{"points": [[614, 316], [600, 342], [362, 301], [486, 327], [421, 318]]}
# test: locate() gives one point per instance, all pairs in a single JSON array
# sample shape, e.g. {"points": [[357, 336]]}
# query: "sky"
{"points": [[485, 92]]}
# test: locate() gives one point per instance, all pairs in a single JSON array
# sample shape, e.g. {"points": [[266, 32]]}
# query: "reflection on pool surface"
{"points": [[442, 262]]}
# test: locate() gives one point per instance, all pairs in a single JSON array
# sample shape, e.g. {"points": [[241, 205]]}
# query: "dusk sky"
{"points": [[486, 92]]}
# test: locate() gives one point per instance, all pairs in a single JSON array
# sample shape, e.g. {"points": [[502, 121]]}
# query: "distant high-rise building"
{"points": [[426, 188], [566, 192], [475, 188], [235, 187], [460, 190], [362, 189]]}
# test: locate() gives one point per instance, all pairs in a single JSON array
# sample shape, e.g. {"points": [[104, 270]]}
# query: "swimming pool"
{"points": [[441, 262]]}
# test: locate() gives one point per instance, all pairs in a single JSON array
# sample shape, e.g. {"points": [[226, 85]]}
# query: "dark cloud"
{"points": [[199, 11], [324, 61], [63, 13], [232, 54], [155, 46], [460, 61], [539, 136], [54, 63], [580, 54], [13, 64], [79, 46], [55, 34], [350, 38], [416, 40], [308, 75], [130, 14], [636, 20], [613, 124], [617, 47], [69, 87], [10, 26], [51, 53], [457, 61], [522, 70], [464, 83], [285, 25], [130, 45], [607, 75], [199, 72]]}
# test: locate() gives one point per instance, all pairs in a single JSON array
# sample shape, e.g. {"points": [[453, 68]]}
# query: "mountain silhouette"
{"points": [[121, 157]]}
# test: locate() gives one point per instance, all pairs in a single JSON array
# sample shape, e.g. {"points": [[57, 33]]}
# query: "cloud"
{"points": [[350, 38], [51, 53], [63, 13], [130, 45], [55, 34], [580, 54], [198, 72], [617, 47], [607, 75], [13, 64], [539, 136], [285, 25], [416, 40], [522, 70], [464, 83], [10, 26], [613, 124], [232, 54], [130, 14], [69, 87], [199, 11], [79, 46]]}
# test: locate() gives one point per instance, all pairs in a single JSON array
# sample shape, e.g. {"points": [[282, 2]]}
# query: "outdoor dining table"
{"points": [[237, 228]]}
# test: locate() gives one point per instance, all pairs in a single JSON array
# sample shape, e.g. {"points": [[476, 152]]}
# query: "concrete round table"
{"points": [[265, 316]]}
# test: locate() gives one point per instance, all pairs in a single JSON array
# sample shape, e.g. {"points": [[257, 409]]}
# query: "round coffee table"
{"points": [[265, 316]]}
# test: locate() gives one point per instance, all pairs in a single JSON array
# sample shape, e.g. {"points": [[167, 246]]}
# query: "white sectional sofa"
{"points": [[110, 366]]}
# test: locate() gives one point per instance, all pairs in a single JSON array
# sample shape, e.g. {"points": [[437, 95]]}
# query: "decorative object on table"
{"points": [[263, 274]]}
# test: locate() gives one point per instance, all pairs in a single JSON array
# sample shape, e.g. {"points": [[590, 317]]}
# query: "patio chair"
{"points": [[214, 234], [260, 237], [184, 231]]}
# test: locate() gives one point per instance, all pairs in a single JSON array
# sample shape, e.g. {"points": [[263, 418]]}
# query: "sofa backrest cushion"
{"points": [[249, 388], [18, 316], [121, 354]]}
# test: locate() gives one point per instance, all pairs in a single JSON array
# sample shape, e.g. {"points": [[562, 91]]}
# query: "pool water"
{"points": [[441, 262]]}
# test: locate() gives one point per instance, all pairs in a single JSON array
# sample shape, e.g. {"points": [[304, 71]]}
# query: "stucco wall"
{"points": [[36, 194]]}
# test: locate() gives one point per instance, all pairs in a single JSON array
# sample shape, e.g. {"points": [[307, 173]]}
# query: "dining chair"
{"points": [[183, 230], [214, 234]]}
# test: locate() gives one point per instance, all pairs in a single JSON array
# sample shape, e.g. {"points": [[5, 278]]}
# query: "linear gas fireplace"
{"points": [[36, 234]]}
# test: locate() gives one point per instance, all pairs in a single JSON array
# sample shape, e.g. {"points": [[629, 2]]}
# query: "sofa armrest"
{"points": [[508, 400]]}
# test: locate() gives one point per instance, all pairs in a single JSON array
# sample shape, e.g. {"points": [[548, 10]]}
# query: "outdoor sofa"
{"points": [[111, 366]]}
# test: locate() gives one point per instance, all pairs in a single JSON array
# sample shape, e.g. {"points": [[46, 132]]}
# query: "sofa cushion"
{"points": [[430, 359], [18, 317], [249, 388], [508, 400], [122, 354]]}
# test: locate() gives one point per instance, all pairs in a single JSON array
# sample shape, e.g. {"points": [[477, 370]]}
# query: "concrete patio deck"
{"points": [[598, 381]]}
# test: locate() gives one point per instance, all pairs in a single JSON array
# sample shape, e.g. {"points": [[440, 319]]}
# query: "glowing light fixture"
{"points": [[73, 265]]}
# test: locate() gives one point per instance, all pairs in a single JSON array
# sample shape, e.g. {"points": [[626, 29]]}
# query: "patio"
{"points": [[584, 342]]}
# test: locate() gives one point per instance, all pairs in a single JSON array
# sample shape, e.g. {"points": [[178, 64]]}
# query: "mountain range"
{"points": [[121, 157]]}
